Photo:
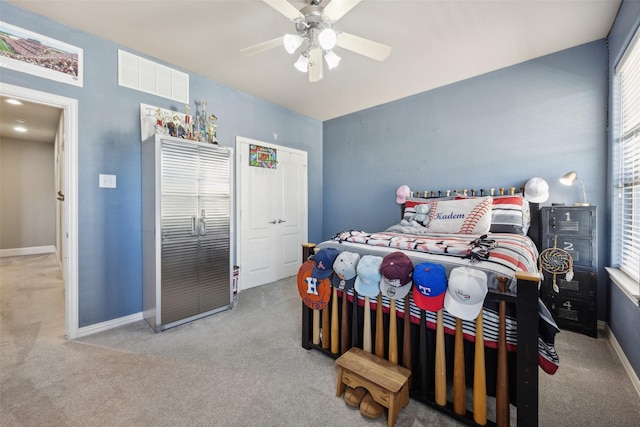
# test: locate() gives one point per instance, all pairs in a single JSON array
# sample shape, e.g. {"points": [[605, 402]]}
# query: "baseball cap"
{"points": [[324, 263], [368, 280], [536, 190], [402, 193], [396, 271], [430, 285], [344, 268], [465, 295]]}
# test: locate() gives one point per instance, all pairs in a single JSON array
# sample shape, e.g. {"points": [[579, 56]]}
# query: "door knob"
{"points": [[280, 221], [273, 222], [60, 196]]}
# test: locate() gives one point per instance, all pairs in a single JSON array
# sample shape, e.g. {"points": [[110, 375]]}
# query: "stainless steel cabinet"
{"points": [[186, 223]]}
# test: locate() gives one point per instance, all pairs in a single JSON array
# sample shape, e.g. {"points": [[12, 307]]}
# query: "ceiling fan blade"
{"points": [[316, 68], [338, 8], [261, 47], [371, 49], [285, 8]]}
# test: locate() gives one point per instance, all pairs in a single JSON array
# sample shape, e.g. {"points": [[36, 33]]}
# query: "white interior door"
{"points": [[60, 206], [272, 214]]}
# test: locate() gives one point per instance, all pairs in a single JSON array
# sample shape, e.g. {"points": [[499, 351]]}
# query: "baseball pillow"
{"points": [[464, 216], [509, 214]]}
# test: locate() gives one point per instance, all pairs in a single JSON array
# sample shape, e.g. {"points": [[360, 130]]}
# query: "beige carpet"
{"points": [[243, 367]]}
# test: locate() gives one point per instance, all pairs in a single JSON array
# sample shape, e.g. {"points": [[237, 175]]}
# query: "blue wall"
{"points": [[110, 276], [544, 117], [624, 314]]}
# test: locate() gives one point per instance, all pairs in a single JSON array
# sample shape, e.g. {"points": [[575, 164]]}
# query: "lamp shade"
{"points": [[302, 63], [327, 39], [569, 178], [292, 42], [332, 59]]}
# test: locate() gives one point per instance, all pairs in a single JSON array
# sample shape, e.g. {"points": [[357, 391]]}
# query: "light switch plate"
{"points": [[107, 181]]}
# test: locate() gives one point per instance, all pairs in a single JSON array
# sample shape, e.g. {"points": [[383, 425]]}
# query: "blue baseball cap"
{"points": [[324, 259], [430, 286], [368, 280]]}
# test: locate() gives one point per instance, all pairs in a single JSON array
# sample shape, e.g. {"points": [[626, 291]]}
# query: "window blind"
{"points": [[626, 233]]}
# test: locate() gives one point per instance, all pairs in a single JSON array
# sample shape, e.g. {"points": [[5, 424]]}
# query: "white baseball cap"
{"points": [[536, 190], [344, 268], [466, 291]]}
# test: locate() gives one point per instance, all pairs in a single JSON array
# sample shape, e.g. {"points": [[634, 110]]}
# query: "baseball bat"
{"points": [[422, 353], [502, 382], [393, 333], [406, 335], [459, 386], [441, 364], [379, 328], [316, 326], [366, 330], [335, 343], [344, 332], [356, 332], [479, 377], [326, 333]]}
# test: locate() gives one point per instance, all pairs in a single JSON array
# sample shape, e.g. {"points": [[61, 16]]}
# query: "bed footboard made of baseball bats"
{"points": [[500, 384]]}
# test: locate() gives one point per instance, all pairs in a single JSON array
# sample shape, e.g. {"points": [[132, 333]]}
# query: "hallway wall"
{"points": [[27, 194]]}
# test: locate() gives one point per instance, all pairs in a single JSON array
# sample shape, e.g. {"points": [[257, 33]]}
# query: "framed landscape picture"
{"points": [[35, 54]]}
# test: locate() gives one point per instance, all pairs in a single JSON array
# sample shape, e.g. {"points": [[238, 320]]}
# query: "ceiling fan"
{"points": [[316, 36]]}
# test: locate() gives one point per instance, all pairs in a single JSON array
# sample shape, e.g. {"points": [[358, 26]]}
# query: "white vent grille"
{"points": [[141, 74]]}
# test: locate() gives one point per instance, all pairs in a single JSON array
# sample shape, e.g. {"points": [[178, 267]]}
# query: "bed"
{"points": [[495, 233]]}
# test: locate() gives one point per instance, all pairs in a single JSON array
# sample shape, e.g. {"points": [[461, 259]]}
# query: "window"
{"points": [[626, 151]]}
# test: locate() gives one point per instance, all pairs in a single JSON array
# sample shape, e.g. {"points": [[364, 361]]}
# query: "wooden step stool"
{"points": [[387, 383]]}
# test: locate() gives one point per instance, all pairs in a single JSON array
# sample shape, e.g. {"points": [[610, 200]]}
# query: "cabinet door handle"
{"points": [[203, 223], [193, 226]]}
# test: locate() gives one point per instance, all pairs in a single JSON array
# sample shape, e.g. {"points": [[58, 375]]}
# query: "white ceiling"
{"points": [[41, 121], [433, 43]]}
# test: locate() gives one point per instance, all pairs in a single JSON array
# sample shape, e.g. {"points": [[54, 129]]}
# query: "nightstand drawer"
{"points": [[581, 250], [570, 221], [583, 284], [575, 314]]}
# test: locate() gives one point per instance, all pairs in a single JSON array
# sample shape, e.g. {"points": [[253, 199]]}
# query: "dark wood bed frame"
{"points": [[523, 366]]}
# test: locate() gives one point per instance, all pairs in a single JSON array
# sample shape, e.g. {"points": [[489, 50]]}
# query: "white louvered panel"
{"points": [[135, 72]]}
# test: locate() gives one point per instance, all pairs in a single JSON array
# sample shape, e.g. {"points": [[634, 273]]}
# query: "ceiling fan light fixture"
{"points": [[292, 42], [332, 59], [302, 63], [327, 39]]}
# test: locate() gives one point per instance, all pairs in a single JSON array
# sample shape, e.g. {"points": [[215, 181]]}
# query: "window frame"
{"points": [[625, 227]]}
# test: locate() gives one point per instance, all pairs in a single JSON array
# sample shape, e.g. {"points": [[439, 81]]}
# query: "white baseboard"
{"points": [[27, 251], [623, 358], [109, 324]]}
